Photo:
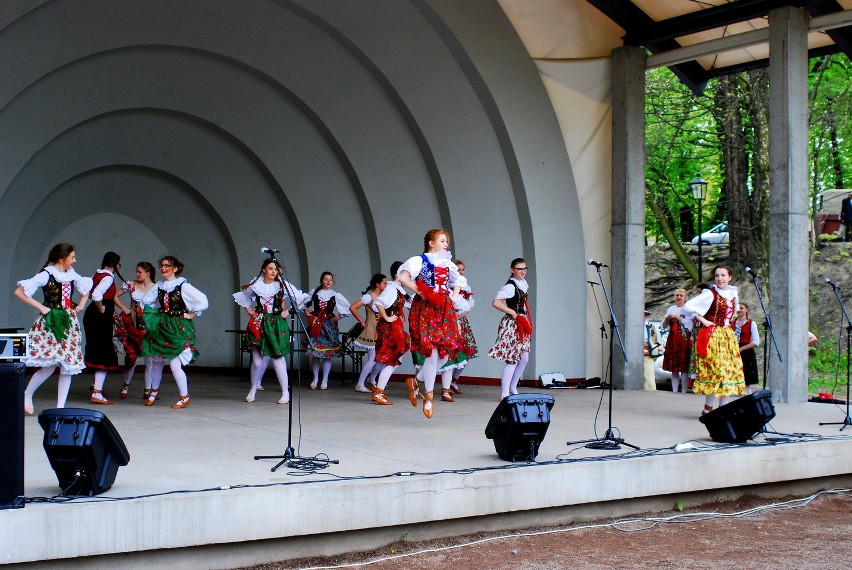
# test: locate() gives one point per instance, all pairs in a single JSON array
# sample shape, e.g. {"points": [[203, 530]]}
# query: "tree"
{"points": [[724, 134]]}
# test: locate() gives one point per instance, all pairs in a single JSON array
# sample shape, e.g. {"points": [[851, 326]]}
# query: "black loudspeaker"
{"points": [[84, 449], [518, 425], [740, 420], [12, 439]]}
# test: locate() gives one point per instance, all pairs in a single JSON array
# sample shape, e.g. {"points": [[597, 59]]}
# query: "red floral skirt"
{"points": [[434, 326], [678, 351], [392, 342]]}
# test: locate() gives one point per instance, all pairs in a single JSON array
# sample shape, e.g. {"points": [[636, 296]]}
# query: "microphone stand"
{"points": [[767, 326], [609, 441], [289, 452], [847, 421], [603, 329]]}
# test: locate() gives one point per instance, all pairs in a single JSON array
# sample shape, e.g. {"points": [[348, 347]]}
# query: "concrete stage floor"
{"points": [[194, 496]]}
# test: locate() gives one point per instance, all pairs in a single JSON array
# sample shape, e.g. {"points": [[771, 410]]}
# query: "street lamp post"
{"points": [[699, 192]]}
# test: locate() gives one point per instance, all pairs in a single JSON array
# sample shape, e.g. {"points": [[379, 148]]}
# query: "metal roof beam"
{"points": [[702, 20], [738, 41]]}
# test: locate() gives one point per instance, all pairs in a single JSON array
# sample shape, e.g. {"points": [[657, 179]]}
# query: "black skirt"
{"points": [[750, 367], [100, 350]]}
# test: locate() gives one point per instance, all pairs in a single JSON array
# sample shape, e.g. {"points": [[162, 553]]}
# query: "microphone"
{"points": [[597, 264], [833, 286], [752, 272], [268, 251]]}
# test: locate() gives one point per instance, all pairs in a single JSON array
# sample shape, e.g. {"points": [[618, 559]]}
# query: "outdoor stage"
{"points": [[193, 496]]}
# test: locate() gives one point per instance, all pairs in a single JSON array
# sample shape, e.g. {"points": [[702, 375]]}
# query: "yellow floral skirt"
{"points": [[720, 373]]}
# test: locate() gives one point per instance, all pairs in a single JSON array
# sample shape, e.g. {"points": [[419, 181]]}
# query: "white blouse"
{"points": [[325, 295], [145, 298], [266, 292], [195, 300], [687, 315], [367, 301], [701, 304], [83, 285], [101, 288], [507, 291], [389, 295], [440, 259]]}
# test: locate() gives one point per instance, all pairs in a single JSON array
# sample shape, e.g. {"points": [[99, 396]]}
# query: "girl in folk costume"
{"points": [[392, 342], [322, 327], [748, 338], [678, 350], [452, 371], [432, 321], [134, 324], [171, 333], [367, 337], [55, 338], [98, 322], [718, 366], [267, 333], [515, 329]]}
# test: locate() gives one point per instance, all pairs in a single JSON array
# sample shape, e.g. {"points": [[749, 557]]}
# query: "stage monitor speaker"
{"points": [[740, 420], [84, 449], [518, 425], [12, 440]]}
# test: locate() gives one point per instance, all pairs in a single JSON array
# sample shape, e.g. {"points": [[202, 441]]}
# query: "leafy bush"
{"points": [[828, 237]]}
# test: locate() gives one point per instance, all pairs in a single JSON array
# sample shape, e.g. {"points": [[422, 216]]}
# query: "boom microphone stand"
{"points": [[847, 421], [289, 452], [609, 441], [767, 326]]}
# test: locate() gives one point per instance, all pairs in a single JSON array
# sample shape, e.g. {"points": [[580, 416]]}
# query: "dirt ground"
{"points": [[792, 534]]}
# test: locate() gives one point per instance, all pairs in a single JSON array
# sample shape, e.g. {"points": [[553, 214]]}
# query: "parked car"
{"points": [[716, 234]]}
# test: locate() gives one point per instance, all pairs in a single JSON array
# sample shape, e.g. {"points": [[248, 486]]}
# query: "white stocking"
{"points": [[430, 369], [62, 392], [38, 379], [326, 368], [149, 364], [506, 379], [519, 371], [128, 374], [367, 367], [447, 378], [315, 367], [675, 382], [280, 365], [180, 376], [258, 367], [377, 369], [156, 372], [100, 377], [384, 376]]}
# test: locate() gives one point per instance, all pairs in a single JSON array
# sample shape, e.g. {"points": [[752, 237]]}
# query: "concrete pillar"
{"points": [[788, 199], [628, 212]]}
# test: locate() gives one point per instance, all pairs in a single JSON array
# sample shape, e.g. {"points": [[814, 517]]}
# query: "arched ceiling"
{"points": [[338, 132]]}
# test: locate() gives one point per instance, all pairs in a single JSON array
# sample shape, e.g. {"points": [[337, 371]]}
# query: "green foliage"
{"points": [[814, 296], [685, 134], [679, 506], [817, 253], [826, 365]]}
